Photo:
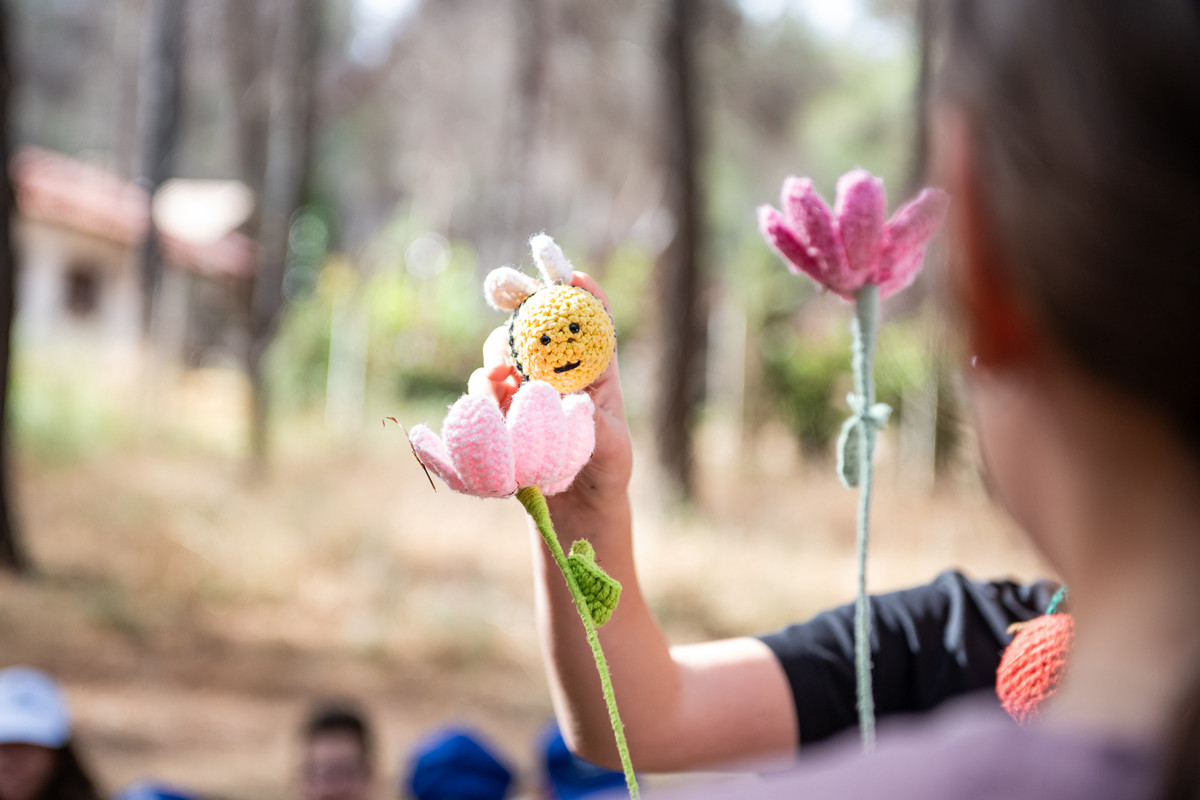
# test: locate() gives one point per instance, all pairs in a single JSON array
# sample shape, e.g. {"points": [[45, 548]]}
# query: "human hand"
{"points": [[607, 475]]}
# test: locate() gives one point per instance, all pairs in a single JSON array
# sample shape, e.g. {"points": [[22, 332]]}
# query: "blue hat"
{"points": [[569, 776], [455, 764], [33, 709], [148, 790]]}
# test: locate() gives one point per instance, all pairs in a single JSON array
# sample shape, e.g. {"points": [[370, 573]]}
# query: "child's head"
{"points": [[1082, 122]]}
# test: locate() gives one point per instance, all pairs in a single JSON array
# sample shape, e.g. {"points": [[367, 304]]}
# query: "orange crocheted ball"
{"points": [[1033, 664]]}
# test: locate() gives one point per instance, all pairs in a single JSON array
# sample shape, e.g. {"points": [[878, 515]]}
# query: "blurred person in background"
{"points": [[338, 759], [38, 760]]}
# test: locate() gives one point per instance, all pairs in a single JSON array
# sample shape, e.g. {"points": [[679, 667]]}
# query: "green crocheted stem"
{"points": [[1057, 600], [864, 329], [531, 497]]}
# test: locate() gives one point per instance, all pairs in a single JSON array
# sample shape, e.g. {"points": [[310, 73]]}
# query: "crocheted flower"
{"points": [[544, 442], [852, 246]]}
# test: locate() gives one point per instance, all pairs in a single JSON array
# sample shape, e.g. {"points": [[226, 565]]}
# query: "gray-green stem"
{"points": [[864, 330], [531, 497]]}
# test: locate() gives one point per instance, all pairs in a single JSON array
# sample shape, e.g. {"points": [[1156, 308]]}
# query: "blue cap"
{"points": [[455, 763], [148, 790], [568, 776], [33, 709]]}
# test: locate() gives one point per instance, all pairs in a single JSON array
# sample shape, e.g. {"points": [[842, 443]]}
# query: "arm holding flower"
{"points": [[684, 707]]}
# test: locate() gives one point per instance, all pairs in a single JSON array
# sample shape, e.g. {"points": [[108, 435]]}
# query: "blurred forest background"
{"points": [[243, 232]]}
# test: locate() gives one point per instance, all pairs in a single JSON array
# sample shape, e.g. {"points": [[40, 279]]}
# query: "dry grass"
{"points": [[194, 613]]}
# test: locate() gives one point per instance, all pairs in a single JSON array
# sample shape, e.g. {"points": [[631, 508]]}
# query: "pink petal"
{"points": [[581, 438], [904, 239], [479, 447], [861, 208], [538, 430], [811, 217], [433, 454], [780, 235]]}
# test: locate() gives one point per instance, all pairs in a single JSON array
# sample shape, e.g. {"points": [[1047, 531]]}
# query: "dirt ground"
{"points": [[194, 613]]}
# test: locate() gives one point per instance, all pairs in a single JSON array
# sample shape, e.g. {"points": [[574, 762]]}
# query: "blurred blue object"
{"points": [[567, 775], [148, 790], [456, 763]]}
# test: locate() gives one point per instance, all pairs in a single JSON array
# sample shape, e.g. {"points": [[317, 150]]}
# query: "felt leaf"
{"points": [[600, 589], [847, 452]]}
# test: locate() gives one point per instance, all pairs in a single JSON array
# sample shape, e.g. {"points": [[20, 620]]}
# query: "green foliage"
{"points": [[809, 376], [62, 409], [413, 328]]}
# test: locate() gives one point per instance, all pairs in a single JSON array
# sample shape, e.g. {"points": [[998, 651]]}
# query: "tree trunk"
{"points": [[161, 83], [525, 120], [12, 553], [285, 184], [684, 335]]}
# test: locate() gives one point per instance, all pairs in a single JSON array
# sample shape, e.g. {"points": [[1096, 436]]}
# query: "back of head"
{"points": [[1085, 119]]}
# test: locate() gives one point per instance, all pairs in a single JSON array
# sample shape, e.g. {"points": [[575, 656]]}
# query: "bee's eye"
{"points": [[574, 327], [545, 339]]}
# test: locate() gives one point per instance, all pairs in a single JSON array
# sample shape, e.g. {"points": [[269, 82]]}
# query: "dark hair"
{"points": [[339, 717], [69, 780], [1085, 116]]}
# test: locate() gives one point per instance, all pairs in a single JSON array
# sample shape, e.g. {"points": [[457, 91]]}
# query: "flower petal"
{"points": [[581, 439], [861, 208], [537, 427], [431, 451], [479, 447], [904, 239], [783, 238], [811, 217]]}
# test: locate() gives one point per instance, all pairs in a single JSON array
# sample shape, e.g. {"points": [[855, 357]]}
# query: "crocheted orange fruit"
{"points": [[1033, 664], [561, 335]]}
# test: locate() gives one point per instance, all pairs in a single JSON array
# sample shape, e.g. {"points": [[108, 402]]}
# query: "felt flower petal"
{"points": [[904, 239], [431, 451], [581, 441], [479, 447], [780, 235], [860, 209], [537, 427], [811, 217]]}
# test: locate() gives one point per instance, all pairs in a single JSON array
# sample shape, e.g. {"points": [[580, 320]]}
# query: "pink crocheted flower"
{"points": [[851, 246], [544, 442]]}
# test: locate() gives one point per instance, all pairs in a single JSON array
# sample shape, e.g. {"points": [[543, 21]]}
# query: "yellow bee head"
{"points": [[557, 333]]}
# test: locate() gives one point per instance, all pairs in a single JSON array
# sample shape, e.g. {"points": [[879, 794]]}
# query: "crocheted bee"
{"points": [[557, 333]]}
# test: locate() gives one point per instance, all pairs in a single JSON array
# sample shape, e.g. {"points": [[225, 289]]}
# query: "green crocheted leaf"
{"points": [[600, 589], [847, 450]]}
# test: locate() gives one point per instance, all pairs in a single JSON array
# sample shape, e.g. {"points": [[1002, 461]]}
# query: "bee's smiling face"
{"points": [[562, 335]]}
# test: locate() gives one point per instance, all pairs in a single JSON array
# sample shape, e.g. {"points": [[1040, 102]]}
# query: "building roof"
{"points": [[197, 221]]}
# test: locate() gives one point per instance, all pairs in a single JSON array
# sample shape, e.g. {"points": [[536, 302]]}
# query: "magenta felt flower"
{"points": [[852, 246], [544, 442]]}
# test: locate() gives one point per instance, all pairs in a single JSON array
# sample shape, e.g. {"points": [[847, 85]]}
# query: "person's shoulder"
{"points": [[966, 751]]}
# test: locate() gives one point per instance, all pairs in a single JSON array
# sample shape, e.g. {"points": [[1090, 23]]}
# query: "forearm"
{"points": [[644, 676], [688, 707]]}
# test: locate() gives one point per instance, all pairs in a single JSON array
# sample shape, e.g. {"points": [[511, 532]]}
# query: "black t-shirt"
{"points": [[928, 644]]}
